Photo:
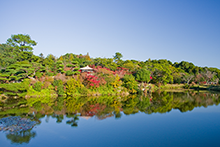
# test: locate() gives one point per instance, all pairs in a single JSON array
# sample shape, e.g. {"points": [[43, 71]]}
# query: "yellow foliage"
{"points": [[117, 82], [61, 58], [71, 57], [132, 90], [116, 105], [73, 85]]}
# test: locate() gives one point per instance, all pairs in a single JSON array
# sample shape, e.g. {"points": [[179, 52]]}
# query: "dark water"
{"points": [[160, 119]]}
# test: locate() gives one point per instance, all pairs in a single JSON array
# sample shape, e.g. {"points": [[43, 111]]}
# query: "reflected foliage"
{"points": [[71, 109], [73, 121], [108, 106], [21, 137]]}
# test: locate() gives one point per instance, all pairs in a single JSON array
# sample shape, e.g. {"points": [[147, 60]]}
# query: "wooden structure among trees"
{"points": [[86, 69]]}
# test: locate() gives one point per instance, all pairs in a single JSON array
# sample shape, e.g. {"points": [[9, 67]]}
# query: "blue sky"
{"points": [[177, 30]]}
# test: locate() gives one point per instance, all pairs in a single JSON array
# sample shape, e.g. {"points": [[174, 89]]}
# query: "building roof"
{"points": [[86, 68]]}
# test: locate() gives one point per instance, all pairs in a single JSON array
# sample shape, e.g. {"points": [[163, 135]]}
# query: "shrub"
{"points": [[60, 76], [69, 73], [59, 88], [83, 91], [57, 82], [39, 74], [92, 81], [109, 80], [46, 84], [73, 86], [130, 83], [69, 65], [117, 82], [142, 75], [37, 86]]}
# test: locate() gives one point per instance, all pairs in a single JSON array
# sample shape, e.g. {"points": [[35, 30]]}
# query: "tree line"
{"points": [[19, 64]]}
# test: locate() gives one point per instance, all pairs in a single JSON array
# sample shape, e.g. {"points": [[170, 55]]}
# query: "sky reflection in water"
{"points": [[199, 127]]}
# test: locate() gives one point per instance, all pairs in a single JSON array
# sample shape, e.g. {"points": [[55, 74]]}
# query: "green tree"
{"points": [[130, 83], [7, 57], [142, 75], [60, 67], [21, 42], [23, 46], [117, 56], [187, 78], [59, 88]]}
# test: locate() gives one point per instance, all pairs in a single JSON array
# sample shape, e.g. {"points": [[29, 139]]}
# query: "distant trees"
{"points": [[187, 78], [208, 75], [161, 73], [110, 75]]}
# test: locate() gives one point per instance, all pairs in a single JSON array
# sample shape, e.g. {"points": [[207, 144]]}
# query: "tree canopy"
{"points": [[17, 63], [21, 42]]}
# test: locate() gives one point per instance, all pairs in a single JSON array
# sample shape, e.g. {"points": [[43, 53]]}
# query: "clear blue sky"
{"points": [[177, 30]]}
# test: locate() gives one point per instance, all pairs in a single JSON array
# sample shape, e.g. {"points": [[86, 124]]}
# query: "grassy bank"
{"points": [[167, 87], [183, 87], [206, 87]]}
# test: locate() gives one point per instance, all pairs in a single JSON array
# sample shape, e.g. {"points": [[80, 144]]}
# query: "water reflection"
{"points": [[73, 121], [100, 107], [21, 137]]}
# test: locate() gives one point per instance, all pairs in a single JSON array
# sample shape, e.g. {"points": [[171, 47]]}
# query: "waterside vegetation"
{"points": [[71, 110], [24, 74]]}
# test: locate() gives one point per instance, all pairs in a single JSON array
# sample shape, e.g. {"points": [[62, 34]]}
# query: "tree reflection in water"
{"points": [[21, 137], [106, 106], [73, 121]]}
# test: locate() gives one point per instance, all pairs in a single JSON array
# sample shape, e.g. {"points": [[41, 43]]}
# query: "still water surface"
{"points": [[162, 119]]}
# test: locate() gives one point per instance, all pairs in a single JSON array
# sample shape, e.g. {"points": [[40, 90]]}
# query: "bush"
{"points": [[69, 73], [117, 82], [92, 81], [37, 86], [69, 65], [73, 86], [142, 75], [59, 88], [50, 74], [109, 79], [39, 74], [130, 83], [60, 76], [83, 91]]}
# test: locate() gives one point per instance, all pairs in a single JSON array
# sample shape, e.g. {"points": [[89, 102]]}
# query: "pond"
{"points": [[161, 119]]}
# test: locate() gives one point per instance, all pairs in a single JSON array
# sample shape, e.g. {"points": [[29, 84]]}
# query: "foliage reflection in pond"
{"points": [[72, 108]]}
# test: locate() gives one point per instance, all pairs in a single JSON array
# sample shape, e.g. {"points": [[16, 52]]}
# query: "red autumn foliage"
{"points": [[92, 81], [121, 72], [95, 110]]}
